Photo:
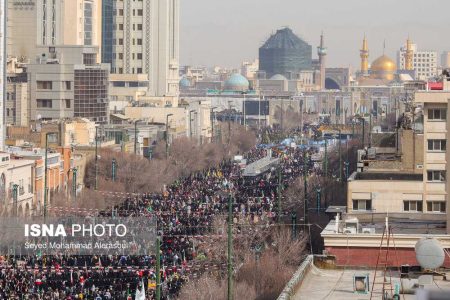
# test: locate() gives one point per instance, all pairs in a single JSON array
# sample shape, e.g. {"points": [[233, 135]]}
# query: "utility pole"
{"points": [[96, 158], [135, 136], [167, 135], [15, 199], [279, 194], [346, 164], [363, 132], [305, 185], [213, 119], [158, 269], [230, 248], [370, 129], [74, 182], [294, 225], [319, 198], [340, 158], [113, 169], [190, 122], [45, 174], [325, 159]]}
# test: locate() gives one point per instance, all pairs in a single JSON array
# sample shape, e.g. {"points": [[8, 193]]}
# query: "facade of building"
{"points": [[146, 41], [16, 101], [68, 82], [32, 24], [107, 31], [424, 62], [20, 173], [286, 54]]}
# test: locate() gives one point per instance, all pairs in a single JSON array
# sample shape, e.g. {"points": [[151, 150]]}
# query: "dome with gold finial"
{"points": [[383, 68]]}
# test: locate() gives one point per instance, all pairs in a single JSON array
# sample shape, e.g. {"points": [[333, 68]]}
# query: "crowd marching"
{"points": [[184, 210]]}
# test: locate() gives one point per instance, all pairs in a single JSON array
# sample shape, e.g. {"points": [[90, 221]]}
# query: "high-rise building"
{"points": [[107, 31], [445, 59], [286, 54], [2, 71], [32, 24], [146, 41], [424, 62]]}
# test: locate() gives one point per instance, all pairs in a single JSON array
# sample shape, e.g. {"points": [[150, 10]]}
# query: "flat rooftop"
{"points": [[337, 284]]}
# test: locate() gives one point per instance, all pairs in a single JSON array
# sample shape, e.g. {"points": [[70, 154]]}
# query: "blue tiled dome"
{"points": [[237, 82], [185, 83]]}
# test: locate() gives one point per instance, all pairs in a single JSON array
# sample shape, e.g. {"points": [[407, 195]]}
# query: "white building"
{"points": [[146, 41], [425, 62], [52, 23]]}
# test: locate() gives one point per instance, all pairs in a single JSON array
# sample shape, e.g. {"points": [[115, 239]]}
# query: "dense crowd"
{"points": [[185, 209]]}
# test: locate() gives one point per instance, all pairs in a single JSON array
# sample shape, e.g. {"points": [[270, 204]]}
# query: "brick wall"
{"points": [[367, 257]]}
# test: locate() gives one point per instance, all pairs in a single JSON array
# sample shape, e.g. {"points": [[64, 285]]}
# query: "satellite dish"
{"points": [[429, 253]]}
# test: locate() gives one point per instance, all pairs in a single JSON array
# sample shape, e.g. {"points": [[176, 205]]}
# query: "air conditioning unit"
{"points": [[349, 230], [368, 230]]}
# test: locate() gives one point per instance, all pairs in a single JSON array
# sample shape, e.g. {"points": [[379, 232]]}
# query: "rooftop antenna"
{"points": [[384, 45]]}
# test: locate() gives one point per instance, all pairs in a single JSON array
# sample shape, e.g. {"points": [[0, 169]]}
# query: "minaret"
{"points": [[322, 52], [364, 53], [409, 55]]}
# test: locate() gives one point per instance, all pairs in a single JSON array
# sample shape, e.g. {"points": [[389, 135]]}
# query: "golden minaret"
{"points": [[364, 53], [409, 55]]}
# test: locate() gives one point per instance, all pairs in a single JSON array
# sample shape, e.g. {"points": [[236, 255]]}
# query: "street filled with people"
{"points": [[184, 211]]}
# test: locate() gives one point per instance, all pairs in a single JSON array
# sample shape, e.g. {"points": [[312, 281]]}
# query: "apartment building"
{"points": [[146, 41]]}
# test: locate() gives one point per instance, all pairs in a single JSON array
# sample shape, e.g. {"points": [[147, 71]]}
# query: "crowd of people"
{"points": [[184, 210]]}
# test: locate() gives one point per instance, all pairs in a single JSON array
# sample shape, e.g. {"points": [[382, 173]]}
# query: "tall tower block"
{"points": [[322, 53], [364, 53], [409, 55]]}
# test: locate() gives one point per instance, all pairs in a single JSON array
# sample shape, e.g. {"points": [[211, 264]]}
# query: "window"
{"points": [[67, 103], [139, 56], [362, 204], [436, 206], [437, 145], [436, 176], [44, 85], [140, 12], [412, 205], [44, 103], [120, 26], [139, 42], [120, 55], [120, 12], [139, 70], [120, 41], [67, 85], [437, 114], [139, 26]]}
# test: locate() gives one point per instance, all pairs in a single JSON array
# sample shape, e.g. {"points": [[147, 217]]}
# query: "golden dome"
{"points": [[383, 68], [383, 63]]}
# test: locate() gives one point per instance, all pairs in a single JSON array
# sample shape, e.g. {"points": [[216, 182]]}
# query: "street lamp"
{"points": [[74, 182], [319, 198], [135, 136], [45, 172], [212, 116], [113, 169], [190, 121], [167, 134], [96, 158]]}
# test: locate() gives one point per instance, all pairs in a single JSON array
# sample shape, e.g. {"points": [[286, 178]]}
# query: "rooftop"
{"points": [[337, 284]]}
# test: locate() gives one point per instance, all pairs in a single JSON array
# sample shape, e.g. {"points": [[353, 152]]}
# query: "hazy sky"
{"points": [[227, 32]]}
